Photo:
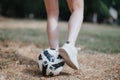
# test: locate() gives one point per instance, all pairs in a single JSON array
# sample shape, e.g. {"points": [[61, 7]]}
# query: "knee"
{"points": [[53, 13], [78, 5]]}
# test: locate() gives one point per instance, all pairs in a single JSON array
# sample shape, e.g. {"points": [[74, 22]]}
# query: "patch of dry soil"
{"points": [[18, 62]]}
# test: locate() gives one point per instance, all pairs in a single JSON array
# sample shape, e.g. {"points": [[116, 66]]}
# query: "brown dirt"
{"points": [[18, 62], [24, 23]]}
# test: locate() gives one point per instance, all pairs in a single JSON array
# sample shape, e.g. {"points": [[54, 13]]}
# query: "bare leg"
{"points": [[76, 7], [52, 22]]}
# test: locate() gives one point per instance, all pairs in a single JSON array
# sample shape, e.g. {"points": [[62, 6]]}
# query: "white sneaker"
{"points": [[69, 54]]}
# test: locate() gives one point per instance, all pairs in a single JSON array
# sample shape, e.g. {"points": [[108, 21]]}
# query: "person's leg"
{"points": [[52, 22], [76, 7], [68, 51]]}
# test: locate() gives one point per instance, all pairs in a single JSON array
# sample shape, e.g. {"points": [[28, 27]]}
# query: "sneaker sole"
{"points": [[68, 61]]}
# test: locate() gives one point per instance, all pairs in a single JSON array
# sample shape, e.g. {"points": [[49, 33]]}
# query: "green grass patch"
{"points": [[103, 40], [35, 36], [106, 41]]}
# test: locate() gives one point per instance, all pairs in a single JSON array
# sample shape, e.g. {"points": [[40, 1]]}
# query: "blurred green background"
{"points": [[36, 9]]}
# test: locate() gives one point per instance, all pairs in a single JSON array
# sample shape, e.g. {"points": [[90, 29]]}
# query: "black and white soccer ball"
{"points": [[50, 63]]}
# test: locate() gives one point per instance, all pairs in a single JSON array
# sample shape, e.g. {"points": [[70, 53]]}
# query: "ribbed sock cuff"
{"points": [[52, 48]]}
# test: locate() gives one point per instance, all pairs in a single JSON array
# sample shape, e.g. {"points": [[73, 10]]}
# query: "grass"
{"points": [[104, 39], [101, 39], [24, 35]]}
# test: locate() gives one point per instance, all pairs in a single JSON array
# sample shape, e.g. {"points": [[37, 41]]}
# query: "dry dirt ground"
{"points": [[18, 62]]}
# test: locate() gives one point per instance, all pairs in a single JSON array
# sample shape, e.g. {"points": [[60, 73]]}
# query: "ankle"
{"points": [[70, 43], [54, 49]]}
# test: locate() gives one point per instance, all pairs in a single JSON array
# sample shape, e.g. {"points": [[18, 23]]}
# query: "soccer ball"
{"points": [[50, 62]]}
